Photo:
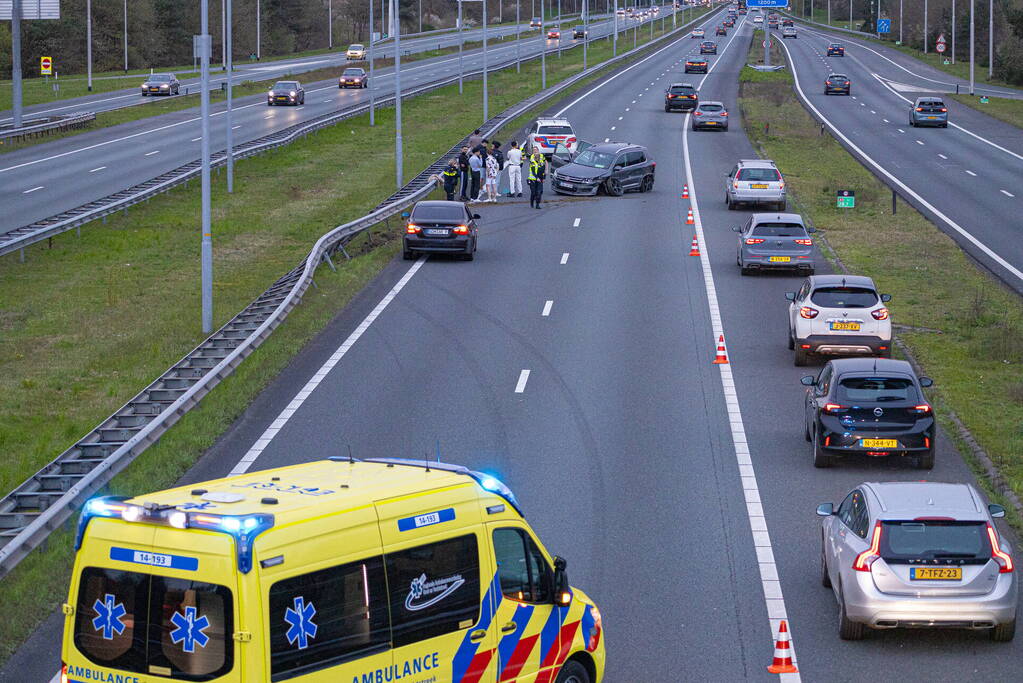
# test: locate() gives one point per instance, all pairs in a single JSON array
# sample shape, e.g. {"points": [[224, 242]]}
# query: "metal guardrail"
{"points": [[47, 499], [19, 238], [51, 125], [864, 34]]}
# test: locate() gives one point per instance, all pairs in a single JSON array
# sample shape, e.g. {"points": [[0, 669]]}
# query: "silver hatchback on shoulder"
{"points": [[918, 555]]}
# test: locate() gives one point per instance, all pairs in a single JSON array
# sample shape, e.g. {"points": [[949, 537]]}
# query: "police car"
{"points": [[546, 134], [333, 570]]}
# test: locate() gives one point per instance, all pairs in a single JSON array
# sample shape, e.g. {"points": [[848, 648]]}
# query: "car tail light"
{"points": [[724, 113], [413, 229], [808, 312], [921, 409], [697, 113], [63, 672], [848, 82], [670, 96], [827, 82], [835, 408], [880, 314], [867, 557], [754, 240], [1003, 558], [805, 243], [919, 108], [571, 141], [460, 229], [927, 442], [943, 109]]}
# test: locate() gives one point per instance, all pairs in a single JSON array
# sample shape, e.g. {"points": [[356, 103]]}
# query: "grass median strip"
{"points": [[89, 322], [964, 327]]}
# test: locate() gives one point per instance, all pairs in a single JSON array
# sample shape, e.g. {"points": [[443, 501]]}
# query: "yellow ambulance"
{"points": [[340, 571]]}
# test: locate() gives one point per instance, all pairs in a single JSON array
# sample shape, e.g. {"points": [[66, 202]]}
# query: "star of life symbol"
{"points": [[109, 614], [424, 592], [189, 630], [301, 620]]}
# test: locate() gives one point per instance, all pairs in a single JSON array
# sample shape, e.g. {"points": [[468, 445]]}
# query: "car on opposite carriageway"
{"points": [[697, 33], [353, 77], [161, 84], [440, 227], [918, 554], [611, 167], [774, 241], [681, 96], [286, 92]]}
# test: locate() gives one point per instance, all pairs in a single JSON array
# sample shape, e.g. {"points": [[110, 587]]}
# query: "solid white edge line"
{"points": [[33, 189], [520, 386], [270, 432], [1007, 193], [905, 188]]}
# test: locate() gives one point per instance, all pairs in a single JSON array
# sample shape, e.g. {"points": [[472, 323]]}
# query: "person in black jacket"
{"points": [[495, 149], [450, 177], [463, 169]]}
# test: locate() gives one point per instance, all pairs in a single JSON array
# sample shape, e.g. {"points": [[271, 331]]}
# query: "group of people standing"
{"points": [[477, 168]]}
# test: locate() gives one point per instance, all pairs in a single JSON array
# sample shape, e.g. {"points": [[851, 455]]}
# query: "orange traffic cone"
{"points": [[782, 653], [689, 218], [721, 357], [685, 192], [695, 249]]}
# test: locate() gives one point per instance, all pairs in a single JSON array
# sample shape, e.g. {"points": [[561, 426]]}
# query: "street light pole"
{"points": [[396, 27], [560, 27], [223, 33], [16, 61], [614, 43], [125, 36], [972, 58], [460, 42], [953, 31], [925, 26], [258, 53], [900, 22], [486, 115], [204, 114], [330, 25], [543, 50], [586, 31], [372, 81], [88, 40], [518, 30], [230, 75], [991, 39]]}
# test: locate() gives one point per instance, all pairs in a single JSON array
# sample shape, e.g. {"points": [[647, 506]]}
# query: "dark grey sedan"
{"points": [[161, 84], [440, 227], [771, 241]]}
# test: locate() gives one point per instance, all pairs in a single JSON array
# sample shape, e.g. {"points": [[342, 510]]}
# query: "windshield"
{"points": [[355, 47], [873, 389], [555, 130], [438, 213], [595, 159], [159, 78], [934, 540], [760, 174], [285, 85], [145, 624], [353, 72], [844, 297], [779, 230]]}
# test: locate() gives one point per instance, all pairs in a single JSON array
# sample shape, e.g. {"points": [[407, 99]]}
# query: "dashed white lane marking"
{"points": [[942, 156], [919, 142], [520, 386], [575, 223], [607, 139], [33, 189], [972, 173], [886, 120], [1007, 193], [99, 168], [634, 101], [564, 258], [155, 151], [328, 101], [620, 118], [236, 127], [282, 419], [547, 308], [268, 116], [613, 127], [626, 109], [771, 585], [901, 131], [872, 111], [197, 139]]}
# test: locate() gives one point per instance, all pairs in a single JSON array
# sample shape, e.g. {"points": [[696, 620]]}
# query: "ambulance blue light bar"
{"points": [[487, 482], [243, 528]]}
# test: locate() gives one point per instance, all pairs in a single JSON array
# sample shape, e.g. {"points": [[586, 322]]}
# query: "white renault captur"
{"points": [[839, 315]]}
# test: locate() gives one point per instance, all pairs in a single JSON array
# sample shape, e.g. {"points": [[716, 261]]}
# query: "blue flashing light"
{"points": [[491, 483], [244, 529], [106, 506]]}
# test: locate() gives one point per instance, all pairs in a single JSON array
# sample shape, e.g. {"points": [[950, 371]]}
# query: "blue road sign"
{"points": [[767, 3], [884, 25]]}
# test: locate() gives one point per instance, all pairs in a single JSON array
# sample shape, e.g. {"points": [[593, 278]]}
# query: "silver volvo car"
{"points": [[918, 555]]}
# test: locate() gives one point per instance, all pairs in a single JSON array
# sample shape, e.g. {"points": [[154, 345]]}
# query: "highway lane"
{"points": [[42, 180], [967, 182]]}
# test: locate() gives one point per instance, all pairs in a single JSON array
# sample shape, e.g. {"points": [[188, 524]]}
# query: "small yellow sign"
{"points": [[46, 66]]}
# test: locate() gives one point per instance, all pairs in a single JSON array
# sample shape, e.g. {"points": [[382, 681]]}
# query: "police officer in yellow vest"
{"points": [[537, 174]]}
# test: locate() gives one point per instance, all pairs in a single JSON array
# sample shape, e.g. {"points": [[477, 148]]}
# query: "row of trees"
{"points": [[160, 31]]}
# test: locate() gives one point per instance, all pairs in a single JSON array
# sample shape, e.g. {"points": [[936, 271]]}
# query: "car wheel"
{"points": [[825, 577], [800, 358], [468, 257], [944, 125], [408, 254], [725, 129], [743, 270], [926, 461], [911, 123], [848, 630], [820, 458], [573, 672], [613, 187], [1003, 633], [729, 203], [667, 108], [792, 346], [647, 185]]}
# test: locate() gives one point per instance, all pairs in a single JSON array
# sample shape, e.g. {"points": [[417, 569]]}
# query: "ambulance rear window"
{"points": [[154, 625]]}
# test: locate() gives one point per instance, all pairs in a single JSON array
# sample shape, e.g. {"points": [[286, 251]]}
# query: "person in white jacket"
{"points": [[514, 163], [492, 169]]}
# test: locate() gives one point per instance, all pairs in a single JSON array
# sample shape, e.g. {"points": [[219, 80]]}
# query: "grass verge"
{"points": [[1008, 110], [961, 325], [132, 285]]}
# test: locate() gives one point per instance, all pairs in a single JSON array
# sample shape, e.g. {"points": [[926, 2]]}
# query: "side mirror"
{"points": [[811, 230], [886, 298], [562, 592], [476, 216], [736, 229], [791, 296], [405, 214], [926, 382], [996, 510], [825, 509], [808, 380], [618, 167]]}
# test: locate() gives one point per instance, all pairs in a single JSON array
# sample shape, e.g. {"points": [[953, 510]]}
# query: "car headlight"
{"points": [[164, 86], [270, 94], [292, 93]]}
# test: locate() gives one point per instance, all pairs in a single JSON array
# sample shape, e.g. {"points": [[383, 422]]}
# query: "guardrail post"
{"points": [[895, 206], [326, 257], [21, 255]]}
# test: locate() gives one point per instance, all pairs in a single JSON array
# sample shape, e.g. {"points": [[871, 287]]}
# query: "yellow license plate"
{"points": [[936, 573], [853, 327], [758, 186], [879, 443], [780, 259]]}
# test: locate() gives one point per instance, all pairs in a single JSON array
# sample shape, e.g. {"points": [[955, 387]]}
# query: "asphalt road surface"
{"points": [[46, 179], [965, 178], [681, 492]]}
